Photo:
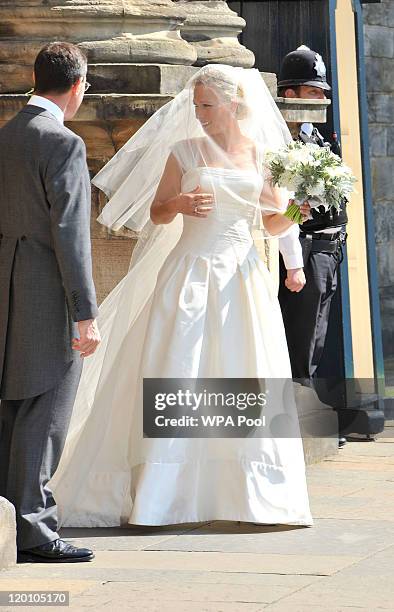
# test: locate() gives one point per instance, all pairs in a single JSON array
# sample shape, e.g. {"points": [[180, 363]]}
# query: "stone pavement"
{"points": [[345, 562]]}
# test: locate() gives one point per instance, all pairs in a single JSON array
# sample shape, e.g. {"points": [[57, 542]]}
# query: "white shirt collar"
{"points": [[307, 128], [50, 106]]}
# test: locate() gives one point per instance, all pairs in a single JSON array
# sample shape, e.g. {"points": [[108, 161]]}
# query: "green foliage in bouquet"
{"points": [[313, 174]]}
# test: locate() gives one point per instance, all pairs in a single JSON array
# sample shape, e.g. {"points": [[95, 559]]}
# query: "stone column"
{"points": [[110, 31], [213, 28]]}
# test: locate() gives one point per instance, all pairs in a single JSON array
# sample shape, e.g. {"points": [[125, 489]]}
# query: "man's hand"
{"points": [[295, 280], [89, 338]]}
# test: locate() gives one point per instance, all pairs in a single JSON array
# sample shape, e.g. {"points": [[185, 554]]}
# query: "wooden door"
{"points": [[275, 27]]}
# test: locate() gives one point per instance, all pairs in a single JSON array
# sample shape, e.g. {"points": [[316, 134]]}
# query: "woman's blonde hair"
{"points": [[228, 88]]}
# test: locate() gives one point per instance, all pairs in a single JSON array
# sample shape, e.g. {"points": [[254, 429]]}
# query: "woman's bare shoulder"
{"points": [[189, 142]]}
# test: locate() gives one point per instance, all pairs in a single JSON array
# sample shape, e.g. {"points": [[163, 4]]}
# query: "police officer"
{"points": [[306, 312]]}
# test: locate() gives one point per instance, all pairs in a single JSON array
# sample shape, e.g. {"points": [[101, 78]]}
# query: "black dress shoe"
{"points": [[341, 442], [57, 551]]}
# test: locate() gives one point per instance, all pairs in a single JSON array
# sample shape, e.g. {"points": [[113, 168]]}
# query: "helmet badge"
{"points": [[320, 67]]}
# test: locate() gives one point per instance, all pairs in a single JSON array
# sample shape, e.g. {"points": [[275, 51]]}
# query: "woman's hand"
{"points": [[276, 223], [195, 203], [169, 199]]}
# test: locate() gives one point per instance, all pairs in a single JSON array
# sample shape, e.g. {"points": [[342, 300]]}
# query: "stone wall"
{"points": [[379, 57]]}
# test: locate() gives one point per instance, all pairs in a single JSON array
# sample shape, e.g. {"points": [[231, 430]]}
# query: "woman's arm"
{"points": [[164, 206], [276, 223], [169, 199], [272, 198]]}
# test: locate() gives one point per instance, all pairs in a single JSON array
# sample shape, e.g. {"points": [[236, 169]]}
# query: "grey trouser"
{"points": [[32, 436]]}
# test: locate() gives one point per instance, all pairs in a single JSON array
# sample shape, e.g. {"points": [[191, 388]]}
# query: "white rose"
{"points": [[290, 180], [336, 172], [302, 156]]}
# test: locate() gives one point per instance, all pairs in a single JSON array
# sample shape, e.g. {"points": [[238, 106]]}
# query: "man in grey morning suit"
{"points": [[48, 302]]}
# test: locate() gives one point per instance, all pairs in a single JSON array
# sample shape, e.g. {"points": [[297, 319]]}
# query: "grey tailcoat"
{"points": [[46, 280]]}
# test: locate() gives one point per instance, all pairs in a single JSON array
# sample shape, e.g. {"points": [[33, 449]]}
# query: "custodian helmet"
{"points": [[303, 67]]}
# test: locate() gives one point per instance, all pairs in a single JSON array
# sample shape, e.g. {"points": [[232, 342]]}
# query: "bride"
{"points": [[197, 302]]}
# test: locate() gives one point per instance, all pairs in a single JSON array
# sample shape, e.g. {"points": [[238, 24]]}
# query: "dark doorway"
{"points": [[276, 27]]}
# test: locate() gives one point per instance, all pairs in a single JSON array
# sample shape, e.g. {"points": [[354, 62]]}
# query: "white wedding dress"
{"points": [[213, 313]]}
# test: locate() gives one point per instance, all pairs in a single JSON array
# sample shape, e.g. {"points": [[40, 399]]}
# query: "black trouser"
{"points": [[305, 314]]}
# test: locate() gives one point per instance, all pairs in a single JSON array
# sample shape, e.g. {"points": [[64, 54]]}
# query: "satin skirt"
{"points": [[209, 315]]}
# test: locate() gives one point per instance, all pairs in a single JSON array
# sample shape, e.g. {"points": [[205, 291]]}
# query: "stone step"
{"points": [[148, 78], [295, 110], [318, 425], [138, 78], [111, 107], [7, 534], [117, 77], [96, 107]]}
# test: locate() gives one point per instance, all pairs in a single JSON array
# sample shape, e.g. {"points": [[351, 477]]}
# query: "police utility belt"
{"points": [[322, 242]]}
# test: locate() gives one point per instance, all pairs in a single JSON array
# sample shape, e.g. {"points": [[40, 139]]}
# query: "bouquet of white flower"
{"points": [[313, 173]]}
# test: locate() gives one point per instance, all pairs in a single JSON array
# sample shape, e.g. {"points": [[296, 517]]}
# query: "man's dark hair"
{"points": [[58, 67], [282, 90]]}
